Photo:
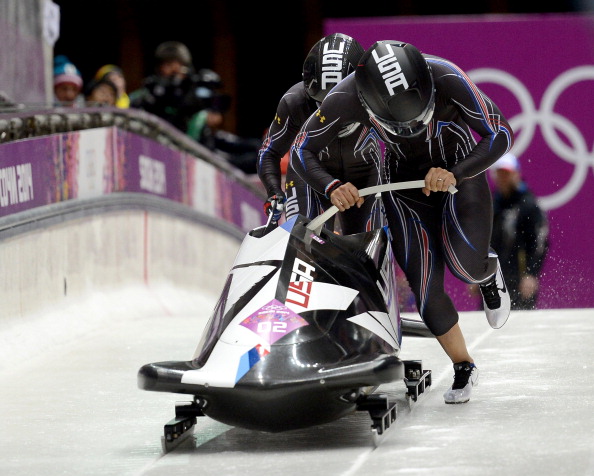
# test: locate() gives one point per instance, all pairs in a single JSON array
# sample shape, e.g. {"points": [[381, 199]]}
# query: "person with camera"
{"points": [[175, 92], [190, 101]]}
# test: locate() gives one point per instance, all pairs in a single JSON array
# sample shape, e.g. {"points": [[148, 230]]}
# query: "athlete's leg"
{"points": [[454, 345], [467, 224], [301, 199], [361, 163], [371, 215], [415, 223]]}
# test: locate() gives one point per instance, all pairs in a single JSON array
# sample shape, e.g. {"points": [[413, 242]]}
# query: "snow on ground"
{"points": [[70, 404]]}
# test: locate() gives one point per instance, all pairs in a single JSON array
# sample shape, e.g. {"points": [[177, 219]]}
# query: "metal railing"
{"points": [[19, 122]]}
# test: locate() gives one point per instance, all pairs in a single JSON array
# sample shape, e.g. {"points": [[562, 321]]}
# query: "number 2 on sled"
{"points": [[266, 327]]}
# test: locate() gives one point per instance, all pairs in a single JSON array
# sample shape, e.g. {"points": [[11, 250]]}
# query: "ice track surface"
{"points": [[70, 405]]}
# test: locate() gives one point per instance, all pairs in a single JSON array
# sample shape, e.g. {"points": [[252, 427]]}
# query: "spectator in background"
{"points": [[68, 83], [520, 232], [190, 101], [115, 74], [175, 92], [101, 92]]}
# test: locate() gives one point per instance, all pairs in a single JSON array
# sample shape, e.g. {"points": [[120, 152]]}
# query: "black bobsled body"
{"points": [[307, 325]]}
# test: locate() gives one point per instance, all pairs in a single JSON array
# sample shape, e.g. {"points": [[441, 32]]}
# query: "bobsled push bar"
{"points": [[316, 224]]}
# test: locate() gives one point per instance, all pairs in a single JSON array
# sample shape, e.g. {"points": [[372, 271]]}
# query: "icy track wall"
{"points": [[94, 210]]}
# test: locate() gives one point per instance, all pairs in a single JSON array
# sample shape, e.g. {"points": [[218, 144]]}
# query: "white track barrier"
{"points": [[63, 281]]}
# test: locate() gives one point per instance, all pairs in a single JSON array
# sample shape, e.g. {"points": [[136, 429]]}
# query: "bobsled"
{"points": [[306, 329]]}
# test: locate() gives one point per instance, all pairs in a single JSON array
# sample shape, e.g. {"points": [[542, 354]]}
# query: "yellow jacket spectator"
{"points": [[115, 74]]}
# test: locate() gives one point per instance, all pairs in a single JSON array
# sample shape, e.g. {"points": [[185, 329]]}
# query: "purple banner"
{"points": [[25, 181], [540, 70], [96, 162], [150, 167]]}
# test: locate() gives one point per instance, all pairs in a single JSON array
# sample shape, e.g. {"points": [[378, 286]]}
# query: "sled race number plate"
{"points": [[273, 321]]}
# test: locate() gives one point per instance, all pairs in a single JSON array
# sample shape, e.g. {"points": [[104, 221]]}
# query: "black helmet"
{"points": [[395, 85], [329, 61]]}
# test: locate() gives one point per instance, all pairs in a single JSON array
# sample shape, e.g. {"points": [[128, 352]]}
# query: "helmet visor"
{"points": [[409, 128]]}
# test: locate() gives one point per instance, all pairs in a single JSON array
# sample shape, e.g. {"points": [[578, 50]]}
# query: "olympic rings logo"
{"points": [[576, 153]]}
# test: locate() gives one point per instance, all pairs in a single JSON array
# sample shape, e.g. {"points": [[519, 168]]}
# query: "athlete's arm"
{"points": [[291, 112], [480, 113], [339, 109]]}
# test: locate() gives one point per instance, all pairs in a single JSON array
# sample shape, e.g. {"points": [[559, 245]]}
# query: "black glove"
{"points": [[275, 205]]}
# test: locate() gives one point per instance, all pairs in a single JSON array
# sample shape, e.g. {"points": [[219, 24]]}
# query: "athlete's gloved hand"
{"points": [[275, 205]]}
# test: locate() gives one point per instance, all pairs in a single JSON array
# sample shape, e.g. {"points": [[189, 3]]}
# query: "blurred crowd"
{"points": [[186, 97]]}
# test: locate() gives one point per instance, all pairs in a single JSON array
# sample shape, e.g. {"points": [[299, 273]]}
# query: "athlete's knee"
{"points": [[440, 324], [439, 315]]}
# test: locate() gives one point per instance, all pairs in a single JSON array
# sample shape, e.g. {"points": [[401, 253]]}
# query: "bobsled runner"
{"points": [[306, 329]]}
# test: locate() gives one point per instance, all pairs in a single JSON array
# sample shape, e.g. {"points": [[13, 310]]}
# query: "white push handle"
{"points": [[316, 224]]}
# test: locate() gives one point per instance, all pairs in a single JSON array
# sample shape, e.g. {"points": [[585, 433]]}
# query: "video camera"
{"points": [[188, 95]]}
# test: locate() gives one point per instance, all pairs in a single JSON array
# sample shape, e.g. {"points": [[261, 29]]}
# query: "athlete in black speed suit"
{"points": [[353, 156], [424, 108]]}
